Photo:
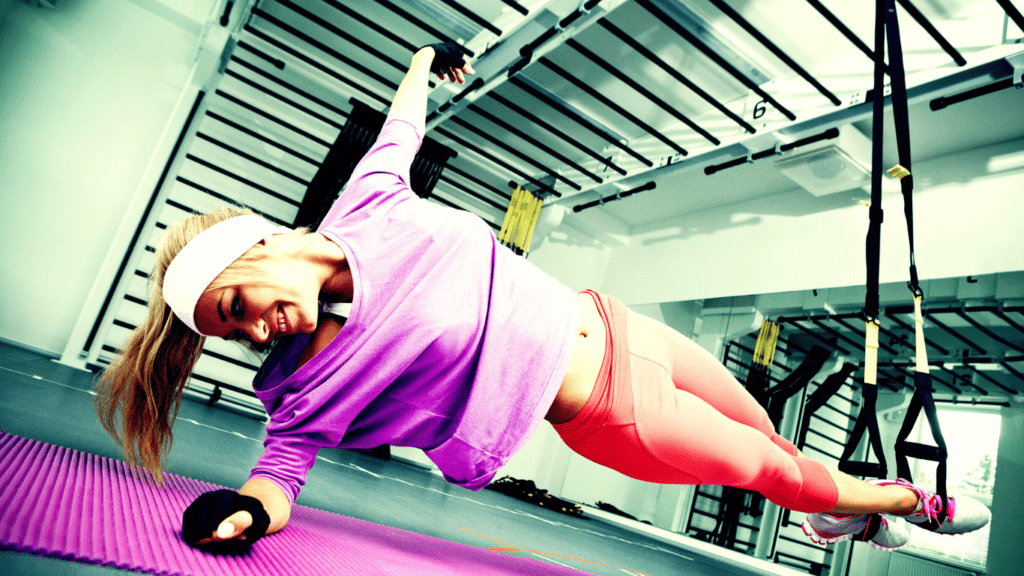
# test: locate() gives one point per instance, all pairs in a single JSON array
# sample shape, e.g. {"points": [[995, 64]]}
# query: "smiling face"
{"points": [[249, 300]]}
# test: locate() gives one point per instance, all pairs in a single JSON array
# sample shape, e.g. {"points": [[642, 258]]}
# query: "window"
{"points": [[972, 439]]}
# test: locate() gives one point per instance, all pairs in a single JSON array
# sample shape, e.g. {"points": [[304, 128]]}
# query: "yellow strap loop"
{"points": [[871, 352]]}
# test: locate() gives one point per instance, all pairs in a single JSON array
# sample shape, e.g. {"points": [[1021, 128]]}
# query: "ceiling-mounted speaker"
{"points": [[830, 166]]}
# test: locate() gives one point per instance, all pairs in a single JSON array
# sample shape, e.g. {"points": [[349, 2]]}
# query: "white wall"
{"points": [[967, 222], [87, 89]]}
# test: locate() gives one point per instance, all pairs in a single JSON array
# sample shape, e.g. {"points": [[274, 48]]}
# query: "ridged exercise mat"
{"points": [[78, 506]]}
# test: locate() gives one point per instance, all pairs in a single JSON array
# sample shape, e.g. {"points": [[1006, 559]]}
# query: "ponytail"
{"points": [[139, 394]]}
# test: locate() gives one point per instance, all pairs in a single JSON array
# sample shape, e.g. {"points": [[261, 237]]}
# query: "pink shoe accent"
{"points": [[930, 505]]}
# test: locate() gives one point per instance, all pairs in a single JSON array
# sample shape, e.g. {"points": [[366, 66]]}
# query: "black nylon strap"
{"points": [[874, 244], [922, 398], [901, 119], [866, 420]]}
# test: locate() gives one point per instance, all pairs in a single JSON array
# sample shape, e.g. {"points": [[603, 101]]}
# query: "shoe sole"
{"points": [[826, 538]]}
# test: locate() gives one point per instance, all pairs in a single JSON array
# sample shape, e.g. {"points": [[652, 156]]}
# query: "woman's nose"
{"points": [[259, 331]]}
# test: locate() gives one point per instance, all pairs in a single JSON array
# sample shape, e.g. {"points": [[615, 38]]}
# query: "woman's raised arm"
{"points": [[445, 60]]}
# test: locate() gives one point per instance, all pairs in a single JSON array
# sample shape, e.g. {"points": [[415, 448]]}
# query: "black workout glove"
{"points": [[205, 514], [447, 55]]}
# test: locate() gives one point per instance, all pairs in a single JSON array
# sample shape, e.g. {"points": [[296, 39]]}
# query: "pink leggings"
{"points": [[665, 410]]}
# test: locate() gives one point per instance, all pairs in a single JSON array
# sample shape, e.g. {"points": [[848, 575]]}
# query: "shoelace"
{"points": [[932, 505]]}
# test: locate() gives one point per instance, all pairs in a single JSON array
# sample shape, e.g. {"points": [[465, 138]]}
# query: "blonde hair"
{"points": [[139, 394]]}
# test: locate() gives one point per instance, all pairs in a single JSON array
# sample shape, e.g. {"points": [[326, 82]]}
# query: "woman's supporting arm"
{"points": [[274, 502]]}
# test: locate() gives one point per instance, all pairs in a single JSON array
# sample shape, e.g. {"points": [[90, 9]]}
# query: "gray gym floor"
{"points": [[50, 402]]}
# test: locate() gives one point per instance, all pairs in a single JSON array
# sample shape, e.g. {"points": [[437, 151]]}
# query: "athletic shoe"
{"points": [[965, 514], [825, 529]]}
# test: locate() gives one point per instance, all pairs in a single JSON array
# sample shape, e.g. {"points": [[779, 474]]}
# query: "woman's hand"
{"points": [[232, 528], [224, 516], [449, 62]]}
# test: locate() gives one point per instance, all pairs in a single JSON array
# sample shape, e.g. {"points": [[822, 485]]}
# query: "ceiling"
{"points": [[647, 84]]}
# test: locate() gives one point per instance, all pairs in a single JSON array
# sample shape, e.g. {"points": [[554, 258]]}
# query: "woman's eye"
{"points": [[236, 306]]}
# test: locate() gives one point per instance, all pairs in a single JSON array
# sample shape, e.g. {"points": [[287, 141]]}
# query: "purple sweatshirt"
{"points": [[453, 344]]}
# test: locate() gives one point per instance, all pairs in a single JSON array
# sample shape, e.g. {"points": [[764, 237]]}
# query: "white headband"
{"points": [[206, 256]]}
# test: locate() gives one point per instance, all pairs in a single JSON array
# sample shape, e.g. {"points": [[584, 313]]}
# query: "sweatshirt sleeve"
{"points": [[382, 176], [286, 461]]}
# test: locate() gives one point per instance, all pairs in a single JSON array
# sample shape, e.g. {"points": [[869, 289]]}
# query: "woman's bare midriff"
{"points": [[584, 364]]}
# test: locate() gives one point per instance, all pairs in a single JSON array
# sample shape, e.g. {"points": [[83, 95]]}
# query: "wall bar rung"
{"points": [[457, 207], [512, 150], [251, 158], [288, 85], [933, 31], [668, 21], [838, 24], [516, 6], [535, 142], [472, 16], [625, 79], [421, 24], [495, 159], [833, 345], [472, 178], [1013, 13], [988, 332], [750, 29], [560, 133], [527, 51], [1006, 366], [270, 117], [892, 316], [671, 71], [262, 138], [999, 314], [353, 14], [324, 48], [944, 101], [607, 102], [222, 198], [578, 119], [836, 333], [826, 135], [992, 380], [284, 99], [931, 317], [965, 379], [318, 65], [402, 67], [618, 196], [471, 192], [275, 62]]}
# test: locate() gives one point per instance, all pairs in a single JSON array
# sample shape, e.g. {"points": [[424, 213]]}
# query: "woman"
{"points": [[453, 345]]}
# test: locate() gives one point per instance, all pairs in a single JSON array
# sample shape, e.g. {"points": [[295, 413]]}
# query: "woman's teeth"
{"points": [[282, 325]]}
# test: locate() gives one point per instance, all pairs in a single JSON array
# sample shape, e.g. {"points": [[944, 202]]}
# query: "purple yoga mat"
{"points": [[78, 506]]}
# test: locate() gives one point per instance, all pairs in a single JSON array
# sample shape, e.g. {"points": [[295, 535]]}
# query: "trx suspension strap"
{"points": [[922, 378], [923, 389], [867, 418]]}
